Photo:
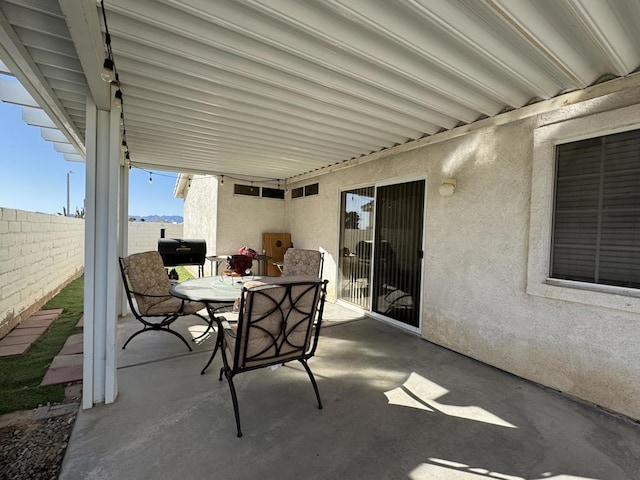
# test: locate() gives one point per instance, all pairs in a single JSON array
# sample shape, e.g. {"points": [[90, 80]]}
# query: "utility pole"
{"points": [[68, 211]]}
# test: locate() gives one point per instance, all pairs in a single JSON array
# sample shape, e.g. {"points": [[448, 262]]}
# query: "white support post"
{"points": [[123, 232], [101, 275], [89, 254]]}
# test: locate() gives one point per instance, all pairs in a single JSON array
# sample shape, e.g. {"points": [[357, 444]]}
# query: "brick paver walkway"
{"points": [[66, 367], [20, 339]]}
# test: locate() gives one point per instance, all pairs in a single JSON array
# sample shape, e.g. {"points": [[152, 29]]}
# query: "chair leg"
{"points": [[162, 327], [179, 336], [134, 335], [210, 327], [313, 382], [213, 354], [234, 399]]}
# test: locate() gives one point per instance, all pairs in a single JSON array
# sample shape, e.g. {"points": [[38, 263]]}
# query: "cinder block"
{"points": [[8, 214], [9, 238], [10, 289], [11, 304], [21, 238]]}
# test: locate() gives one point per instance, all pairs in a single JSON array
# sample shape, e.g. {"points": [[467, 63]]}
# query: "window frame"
{"points": [[570, 160], [272, 193], [543, 181], [241, 188]]}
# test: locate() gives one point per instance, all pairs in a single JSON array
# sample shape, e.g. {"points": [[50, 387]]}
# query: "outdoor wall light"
{"points": [[448, 187]]}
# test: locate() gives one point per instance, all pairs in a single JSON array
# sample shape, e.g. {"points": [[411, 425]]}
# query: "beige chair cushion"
{"points": [[173, 305], [298, 261], [274, 325], [147, 276]]}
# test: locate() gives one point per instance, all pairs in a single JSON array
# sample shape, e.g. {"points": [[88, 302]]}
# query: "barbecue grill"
{"points": [[178, 251]]}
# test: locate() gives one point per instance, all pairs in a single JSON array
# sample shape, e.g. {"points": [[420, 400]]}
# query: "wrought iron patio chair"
{"points": [[277, 323], [299, 261], [146, 280]]}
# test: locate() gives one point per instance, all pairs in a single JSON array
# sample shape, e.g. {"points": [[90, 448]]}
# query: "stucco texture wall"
{"points": [[475, 268], [242, 219], [200, 211], [227, 221]]}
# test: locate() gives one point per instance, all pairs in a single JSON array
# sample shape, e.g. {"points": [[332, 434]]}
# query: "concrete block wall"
{"points": [[143, 236], [39, 255]]}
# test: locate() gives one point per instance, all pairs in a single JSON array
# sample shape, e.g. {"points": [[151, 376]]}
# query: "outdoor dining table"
{"points": [[216, 292], [222, 259], [219, 292]]}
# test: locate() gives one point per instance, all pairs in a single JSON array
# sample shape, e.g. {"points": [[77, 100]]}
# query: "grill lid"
{"points": [[179, 251]]}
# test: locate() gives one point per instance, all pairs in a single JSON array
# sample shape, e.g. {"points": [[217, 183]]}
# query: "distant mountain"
{"points": [[156, 218]]}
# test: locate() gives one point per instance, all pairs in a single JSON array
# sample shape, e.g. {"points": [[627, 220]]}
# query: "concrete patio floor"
{"points": [[395, 407]]}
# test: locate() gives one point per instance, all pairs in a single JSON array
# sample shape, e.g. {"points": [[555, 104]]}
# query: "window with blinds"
{"points": [[596, 232]]}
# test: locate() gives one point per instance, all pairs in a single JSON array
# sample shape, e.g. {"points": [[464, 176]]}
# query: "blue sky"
{"points": [[35, 175]]}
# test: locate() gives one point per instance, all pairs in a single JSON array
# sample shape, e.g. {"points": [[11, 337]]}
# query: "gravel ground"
{"points": [[33, 450], [33, 443]]}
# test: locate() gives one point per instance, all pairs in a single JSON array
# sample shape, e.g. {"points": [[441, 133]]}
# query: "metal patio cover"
{"points": [[276, 88]]}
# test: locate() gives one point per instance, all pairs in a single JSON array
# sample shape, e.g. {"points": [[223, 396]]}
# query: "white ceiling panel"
{"points": [[276, 88]]}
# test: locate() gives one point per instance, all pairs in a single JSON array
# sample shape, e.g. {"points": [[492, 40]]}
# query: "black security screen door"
{"points": [[397, 252]]}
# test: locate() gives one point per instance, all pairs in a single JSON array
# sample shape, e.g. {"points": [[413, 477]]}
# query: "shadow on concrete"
{"points": [[395, 407]]}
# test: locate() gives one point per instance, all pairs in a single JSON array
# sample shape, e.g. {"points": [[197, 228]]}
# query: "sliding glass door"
{"points": [[381, 249], [397, 264], [356, 243]]}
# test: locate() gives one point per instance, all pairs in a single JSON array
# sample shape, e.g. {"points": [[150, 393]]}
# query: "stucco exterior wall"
{"points": [[227, 221], [242, 220], [199, 211], [314, 223], [475, 297], [39, 255]]}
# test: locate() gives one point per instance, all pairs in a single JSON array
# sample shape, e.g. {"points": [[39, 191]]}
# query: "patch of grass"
{"points": [[183, 273], [20, 377]]}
